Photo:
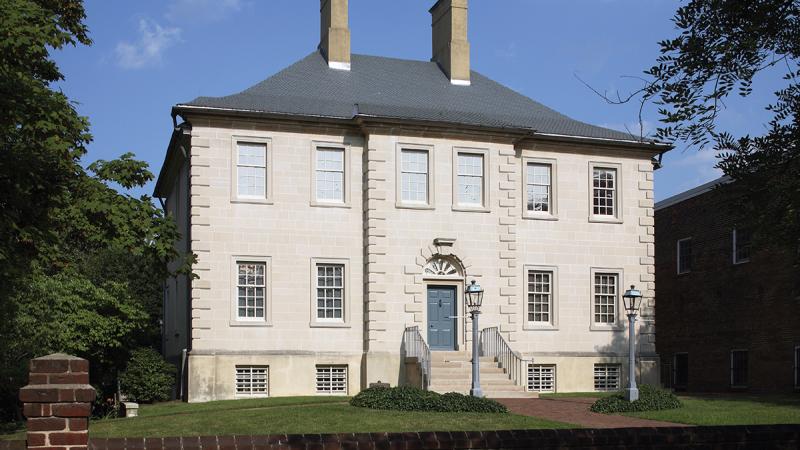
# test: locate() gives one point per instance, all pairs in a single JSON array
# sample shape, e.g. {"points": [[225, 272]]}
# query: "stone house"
{"points": [[727, 309], [338, 208]]}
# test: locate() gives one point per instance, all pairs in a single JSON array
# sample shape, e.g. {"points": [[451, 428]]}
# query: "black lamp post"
{"points": [[633, 301], [474, 297]]}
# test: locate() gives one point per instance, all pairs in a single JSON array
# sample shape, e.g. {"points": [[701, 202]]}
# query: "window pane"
{"points": [[684, 255], [251, 170], [330, 175], [414, 176], [330, 291], [539, 296], [605, 298], [251, 290], [538, 187], [604, 186]]}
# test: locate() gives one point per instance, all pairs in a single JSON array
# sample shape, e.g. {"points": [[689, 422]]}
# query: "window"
{"points": [[542, 377], [414, 176], [470, 179], [606, 377], [251, 283], [251, 170], [797, 367], [738, 368], [605, 298], [681, 370], [332, 380], [252, 381], [330, 292], [329, 181], [684, 255], [604, 192], [539, 188], [540, 296], [741, 246]]}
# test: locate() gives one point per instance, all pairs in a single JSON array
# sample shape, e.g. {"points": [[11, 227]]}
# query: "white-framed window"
{"points": [[605, 297], [542, 377], [797, 367], [330, 292], [252, 381], [684, 256], [741, 246], [332, 380], [251, 290], [251, 170], [538, 183], [739, 368], [251, 174], [606, 377], [330, 175], [414, 176], [540, 296], [605, 195], [470, 173]]}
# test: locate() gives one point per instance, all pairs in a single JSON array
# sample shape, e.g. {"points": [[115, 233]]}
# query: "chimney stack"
{"points": [[450, 45], [334, 42]]}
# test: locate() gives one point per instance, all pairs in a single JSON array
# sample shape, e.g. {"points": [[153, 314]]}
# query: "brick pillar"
{"points": [[57, 403]]}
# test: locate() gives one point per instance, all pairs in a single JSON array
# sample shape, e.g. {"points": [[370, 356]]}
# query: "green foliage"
{"points": [[405, 398], [650, 399], [147, 378]]}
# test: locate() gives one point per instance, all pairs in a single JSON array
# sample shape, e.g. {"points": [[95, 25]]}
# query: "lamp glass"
{"points": [[632, 299], [474, 296]]}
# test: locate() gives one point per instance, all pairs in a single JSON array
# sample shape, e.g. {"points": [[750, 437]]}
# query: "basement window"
{"points": [[332, 380], [606, 377], [541, 377], [252, 381]]}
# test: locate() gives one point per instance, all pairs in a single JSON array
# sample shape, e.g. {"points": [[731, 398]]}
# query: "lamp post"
{"points": [[474, 296], [633, 301]]}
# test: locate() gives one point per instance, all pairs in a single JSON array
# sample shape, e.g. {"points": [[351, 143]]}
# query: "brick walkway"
{"points": [[575, 410]]}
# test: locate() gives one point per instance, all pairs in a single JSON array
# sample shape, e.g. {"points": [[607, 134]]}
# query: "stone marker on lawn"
{"points": [[58, 402]]}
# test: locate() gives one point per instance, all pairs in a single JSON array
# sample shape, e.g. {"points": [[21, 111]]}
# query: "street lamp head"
{"points": [[474, 296], [632, 299]]}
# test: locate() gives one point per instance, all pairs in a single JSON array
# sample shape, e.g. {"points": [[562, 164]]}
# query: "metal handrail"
{"points": [[416, 347], [493, 344]]}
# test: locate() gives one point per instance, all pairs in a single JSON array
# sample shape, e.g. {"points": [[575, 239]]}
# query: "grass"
{"points": [[294, 415], [730, 409]]}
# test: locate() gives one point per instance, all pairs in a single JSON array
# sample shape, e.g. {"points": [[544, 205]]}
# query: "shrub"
{"points": [[405, 398], [650, 399], [147, 378]]}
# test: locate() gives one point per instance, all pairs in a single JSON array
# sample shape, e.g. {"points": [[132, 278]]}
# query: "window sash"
{"points": [[604, 192], [797, 367], [739, 368], [605, 298], [606, 377], [252, 380], [414, 176], [540, 296], [330, 175], [539, 187], [470, 179], [741, 246], [331, 380], [251, 290], [330, 292], [684, 256], [541, 377], [251, 170]]}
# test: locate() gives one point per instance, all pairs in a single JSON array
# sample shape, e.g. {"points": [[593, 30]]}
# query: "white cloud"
{"points": [[202, 10], [153, 41]]}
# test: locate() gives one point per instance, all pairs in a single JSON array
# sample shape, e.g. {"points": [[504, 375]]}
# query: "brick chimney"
{"points": [[450, 45], [334, 41]]}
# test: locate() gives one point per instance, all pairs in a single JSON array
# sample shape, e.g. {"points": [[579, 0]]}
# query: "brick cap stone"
{"points": [[59, 356]]}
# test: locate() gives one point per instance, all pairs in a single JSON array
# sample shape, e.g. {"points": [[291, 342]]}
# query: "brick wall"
{"points": [[719, 306]]}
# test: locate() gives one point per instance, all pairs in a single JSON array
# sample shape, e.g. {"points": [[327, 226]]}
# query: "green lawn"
{"points": [[294, 415], [731, 409]]}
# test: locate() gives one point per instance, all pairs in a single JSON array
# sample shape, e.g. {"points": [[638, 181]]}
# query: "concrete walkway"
{"points": [[575, 410]]}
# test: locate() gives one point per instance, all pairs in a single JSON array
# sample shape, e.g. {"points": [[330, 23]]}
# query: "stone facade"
{"points": [[385, 246], [716, 306]]}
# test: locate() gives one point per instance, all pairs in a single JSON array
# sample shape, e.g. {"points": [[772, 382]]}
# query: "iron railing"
{"points": [[416, 347], [493, 345]]}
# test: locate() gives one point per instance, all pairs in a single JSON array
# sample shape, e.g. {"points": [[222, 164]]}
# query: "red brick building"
{"points": [[728, 312]]}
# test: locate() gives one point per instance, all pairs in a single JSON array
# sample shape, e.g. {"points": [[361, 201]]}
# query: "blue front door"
{"points": [[441, 317]]}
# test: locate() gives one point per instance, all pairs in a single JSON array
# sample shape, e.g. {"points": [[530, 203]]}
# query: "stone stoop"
{"points": [[452, 372]]}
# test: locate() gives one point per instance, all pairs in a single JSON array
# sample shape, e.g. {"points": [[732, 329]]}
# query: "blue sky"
{"points": [[150, 55]]}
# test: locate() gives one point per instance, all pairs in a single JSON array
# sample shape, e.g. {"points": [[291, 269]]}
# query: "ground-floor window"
{"points": [[542, 377], [681, 365], [606, 377], [797, 367], [252, 380], [738, 368], [332, 380]]}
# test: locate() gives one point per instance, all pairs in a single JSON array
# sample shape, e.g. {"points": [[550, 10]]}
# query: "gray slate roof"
{"points": [[399, 89]]}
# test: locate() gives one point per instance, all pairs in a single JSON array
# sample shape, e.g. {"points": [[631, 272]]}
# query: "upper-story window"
{"points": [[540, 296], [684, 256], [330, 292], [741, 246], [470, 173], [251, 292], [605, 288], [330, 175], [604, 191], [539, 188], [251, 170], [415, 177]]}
